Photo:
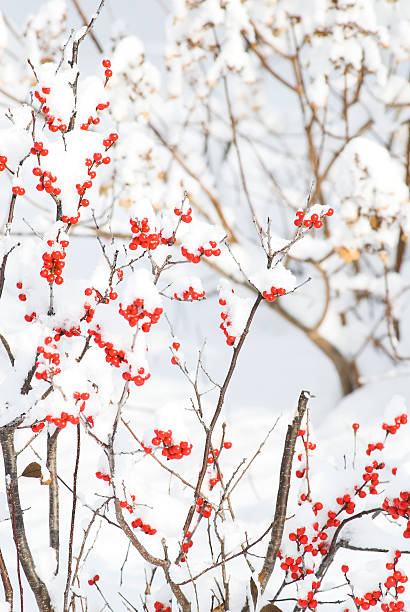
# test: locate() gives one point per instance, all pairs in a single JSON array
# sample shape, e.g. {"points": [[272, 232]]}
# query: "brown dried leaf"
{"points": [[270, 608], [32, 470], [348, 255], [219, 608], [254, 591], [125, 203]]}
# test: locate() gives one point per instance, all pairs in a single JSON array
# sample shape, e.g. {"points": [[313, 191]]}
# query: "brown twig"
{"points": [[5, 578], [73, 511], [10, 468], [283, 491]]}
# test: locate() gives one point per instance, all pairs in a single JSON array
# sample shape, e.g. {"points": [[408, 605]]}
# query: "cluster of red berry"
{"points": [[400, 506], [53, 263], [136, 311], [190, 256], [102, 476], [139, 379], [274, 292], [202, 251], [203, 508], [125, 504], [185, 217], [310, 601], [371, 478], [174, 358], [395, 581], [54, 124], [94, 580], [18, 190], [370, 599], [48, 360], [189, 295], [187, 543], [39, 150], [22, 296], [137, 523], [230, 340], [372, 447], [294, 565], [313, 221], [94, 120], [97, 160], [398, 420], [211, 250], [37, 427], [170, 450], [107, 65], [143, 238], [160, 607], [45, 181], [3, 162], [62, 421]]}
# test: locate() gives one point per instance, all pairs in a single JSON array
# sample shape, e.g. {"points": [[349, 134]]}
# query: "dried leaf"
{"points": [[32, 470], [125, 203], [384, 256], [270, 607], [219, 608], [254, 591], [348, 255]]}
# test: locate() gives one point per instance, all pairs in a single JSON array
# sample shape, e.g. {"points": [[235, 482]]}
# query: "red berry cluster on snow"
{"points": [[314, 220], [94, 580], [189, 295], [48, 360], [187, 543], [96, 161], [55, 124], [174, 358], [399, 420], [137, 523], [230, 340], [102, 476], [107, 65], [185, 217], [274, 292], [116, 357], [62, 421], [394, 583], [136, 311], [207, 251], [160, 607], [399, 506], [3, 162], [45, 181], [310, 601], [53, 263], [95, 120], [22, 296], [203, 508], [143, 237], [370, 599], [170, 449], [18, 190], [294, 566]]}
